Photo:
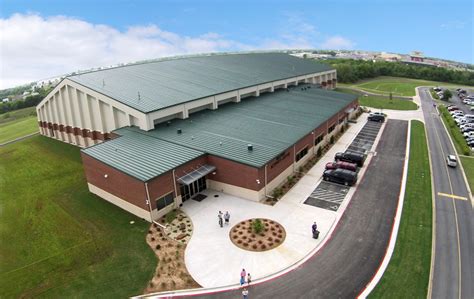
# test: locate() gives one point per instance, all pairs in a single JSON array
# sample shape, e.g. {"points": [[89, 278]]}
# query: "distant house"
{"points": [[5, 100]]}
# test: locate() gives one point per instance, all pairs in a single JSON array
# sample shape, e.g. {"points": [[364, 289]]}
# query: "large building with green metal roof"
{"points": [[235, 123]]}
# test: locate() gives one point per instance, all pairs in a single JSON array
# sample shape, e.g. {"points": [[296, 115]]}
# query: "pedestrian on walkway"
{"points": [[245, 293], [249, 279], [242, 276], [219, 216], [227, 217], [314, 229]]}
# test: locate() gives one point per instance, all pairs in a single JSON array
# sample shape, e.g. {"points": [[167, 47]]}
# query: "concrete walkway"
{"points": [[214, 261]]}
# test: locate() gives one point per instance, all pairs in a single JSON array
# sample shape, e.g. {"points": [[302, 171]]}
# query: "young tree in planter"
{"points": [[446, 95]]}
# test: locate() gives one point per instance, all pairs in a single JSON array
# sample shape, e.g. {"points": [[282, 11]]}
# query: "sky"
{"points": [[47, 38]]}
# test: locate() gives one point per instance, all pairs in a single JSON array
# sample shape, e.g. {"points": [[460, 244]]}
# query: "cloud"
{"points": [[337, 43], [453, 25], [295, 32], [33, 47]]}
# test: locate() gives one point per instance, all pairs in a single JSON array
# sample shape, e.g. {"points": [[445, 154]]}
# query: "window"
{"points": [[318, 139], [331, 128], [164, 201], [301, 154], [341, 120]]}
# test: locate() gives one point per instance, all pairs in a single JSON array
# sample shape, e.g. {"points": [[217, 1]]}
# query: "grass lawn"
{"points": [[397, 86], [17, 128], [18, 123], [17, 114], [381, 102], [407, 274], [58, 240], [468, 165]]}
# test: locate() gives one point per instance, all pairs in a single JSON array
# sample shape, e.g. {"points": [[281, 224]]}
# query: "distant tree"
{"points": [[447, 94]]}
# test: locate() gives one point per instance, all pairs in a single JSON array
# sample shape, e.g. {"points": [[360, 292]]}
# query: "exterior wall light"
{"points": [[106, 175], [258, 181]]}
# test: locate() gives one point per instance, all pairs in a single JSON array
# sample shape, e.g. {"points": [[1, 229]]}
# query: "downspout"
{"points": [[148, 200], [265, 180], [294, 157], [174, 184]]}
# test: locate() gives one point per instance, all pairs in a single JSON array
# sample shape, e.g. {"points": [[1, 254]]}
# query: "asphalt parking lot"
{"points": [[330, 196]]}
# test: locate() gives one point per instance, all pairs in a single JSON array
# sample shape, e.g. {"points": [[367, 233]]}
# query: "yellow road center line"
{"points": [[452, 196]]}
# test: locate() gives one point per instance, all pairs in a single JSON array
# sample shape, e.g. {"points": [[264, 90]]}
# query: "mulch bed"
{"points": [[243, 236]]}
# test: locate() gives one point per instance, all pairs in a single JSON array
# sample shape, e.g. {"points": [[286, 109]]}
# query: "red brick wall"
{"points": [[234, 173], [274, 167], [305, 141], [116, 183]]}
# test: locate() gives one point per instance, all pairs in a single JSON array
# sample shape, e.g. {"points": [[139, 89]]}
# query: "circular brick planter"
{"points": [[243, 236]]}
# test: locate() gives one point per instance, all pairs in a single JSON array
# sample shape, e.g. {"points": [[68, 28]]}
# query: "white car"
{"points": [[451, 161], [468, 134]]}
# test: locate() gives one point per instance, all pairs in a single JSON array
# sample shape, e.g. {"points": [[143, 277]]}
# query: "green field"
{"points": [[18, 128], [397, 86], [381, 102], [17, 114], [408, 272], [58, 240], [18, 123]]}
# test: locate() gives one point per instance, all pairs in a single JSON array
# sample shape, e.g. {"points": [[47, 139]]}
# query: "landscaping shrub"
{"points": [[257, 226], [319, 152], [331, 140], [170, 216]]}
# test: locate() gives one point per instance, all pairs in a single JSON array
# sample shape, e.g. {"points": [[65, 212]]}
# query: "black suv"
{"points": [[340, 176], [351, 157], [376, 117]]}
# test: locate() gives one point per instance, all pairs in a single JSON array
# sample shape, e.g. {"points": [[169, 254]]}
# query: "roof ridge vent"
{"points": [[179, 131], [249, 147]]}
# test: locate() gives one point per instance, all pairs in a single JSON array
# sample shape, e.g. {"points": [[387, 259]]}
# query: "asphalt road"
{"points": [[351, 257], [453, 261]]}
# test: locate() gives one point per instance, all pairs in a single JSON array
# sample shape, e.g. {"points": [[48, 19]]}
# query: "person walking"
{"points": [[242, 276], [220, 219], [245, 293], [226, 217], [249, 279], [314, 229]]}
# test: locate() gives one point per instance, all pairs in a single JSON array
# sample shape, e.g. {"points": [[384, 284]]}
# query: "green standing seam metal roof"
{"points": [[141, 156], [271, 123], [167, 83]]}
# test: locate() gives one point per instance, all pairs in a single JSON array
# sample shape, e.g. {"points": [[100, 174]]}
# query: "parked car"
{"points": [[451, 161], [467, 129], [351, 157], [376, 117], [341, 164], [340, 176], [453, 107], [468, 134]]}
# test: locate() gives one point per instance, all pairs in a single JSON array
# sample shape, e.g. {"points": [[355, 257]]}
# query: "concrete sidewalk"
{"points": [[214, 261]]}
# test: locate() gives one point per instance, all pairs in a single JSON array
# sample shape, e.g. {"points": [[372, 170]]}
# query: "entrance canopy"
{"points": [[196, 174]]}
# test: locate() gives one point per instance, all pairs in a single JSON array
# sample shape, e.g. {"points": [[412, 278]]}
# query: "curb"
{"points": [[19, 139]]}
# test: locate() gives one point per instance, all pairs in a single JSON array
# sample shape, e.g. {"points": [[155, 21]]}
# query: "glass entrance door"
{"points": [[188, 191]]}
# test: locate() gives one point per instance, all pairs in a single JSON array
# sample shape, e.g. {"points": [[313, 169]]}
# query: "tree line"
{"points": [[350, 71], [29, 101]]}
